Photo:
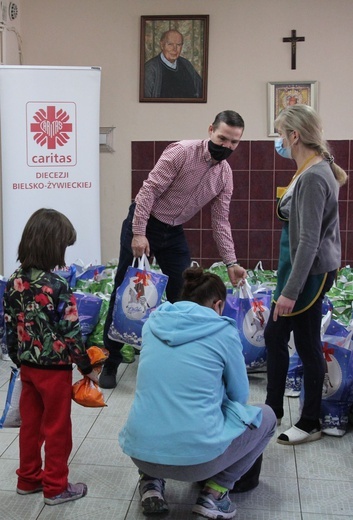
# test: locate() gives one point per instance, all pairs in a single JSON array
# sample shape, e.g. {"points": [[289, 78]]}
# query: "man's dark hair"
{"points": [[44, 240], [230, 118]]}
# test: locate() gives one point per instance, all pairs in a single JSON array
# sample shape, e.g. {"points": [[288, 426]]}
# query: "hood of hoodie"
{"points": [[182, 322]]}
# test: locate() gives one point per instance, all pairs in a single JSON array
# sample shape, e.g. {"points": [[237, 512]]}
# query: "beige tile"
{"points": [[323, 490]]}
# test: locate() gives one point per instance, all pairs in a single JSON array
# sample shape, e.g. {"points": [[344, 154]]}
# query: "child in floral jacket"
{"points": [[44, 339]]}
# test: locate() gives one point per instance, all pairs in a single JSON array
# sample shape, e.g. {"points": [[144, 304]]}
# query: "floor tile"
{"points": [[86, 509], [320, 516], [329, 458], [279, 495], [101, 452], [106, 481], [7, 437], [17, 507], [312, 481], [328, 496]]}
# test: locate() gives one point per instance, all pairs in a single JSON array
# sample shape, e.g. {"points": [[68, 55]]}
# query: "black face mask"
{"points": [[218, 152]]}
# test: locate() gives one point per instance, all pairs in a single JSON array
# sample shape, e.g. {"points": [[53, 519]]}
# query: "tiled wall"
{"points": [[257, 171]]}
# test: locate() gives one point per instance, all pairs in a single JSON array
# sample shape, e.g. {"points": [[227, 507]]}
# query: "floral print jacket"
{"points": [[41, 321]]}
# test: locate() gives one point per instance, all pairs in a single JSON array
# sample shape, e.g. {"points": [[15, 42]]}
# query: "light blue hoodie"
{"points": [[192, 388]]}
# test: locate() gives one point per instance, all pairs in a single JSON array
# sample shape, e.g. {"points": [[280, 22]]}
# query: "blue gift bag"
{"points": [[88, 308], [251, 313], [337, 391], [69, 273], [139, 294], [3, 283], [90, 273], [295, 371], [11, 415]]}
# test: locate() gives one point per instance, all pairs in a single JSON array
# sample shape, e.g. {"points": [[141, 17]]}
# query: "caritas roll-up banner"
{"points": [[50, 154]]}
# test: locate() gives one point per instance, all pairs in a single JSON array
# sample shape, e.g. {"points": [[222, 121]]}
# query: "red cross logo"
{"points": [[51, 127]]}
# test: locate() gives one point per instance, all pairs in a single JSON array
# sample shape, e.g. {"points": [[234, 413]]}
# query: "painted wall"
{"points": [[245, 52]]}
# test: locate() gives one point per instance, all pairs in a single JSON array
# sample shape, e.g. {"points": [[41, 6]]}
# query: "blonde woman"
{"points": [[310, 254]]}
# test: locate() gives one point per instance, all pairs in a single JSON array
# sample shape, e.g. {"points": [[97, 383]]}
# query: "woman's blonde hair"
{"points": [[307, 122]]}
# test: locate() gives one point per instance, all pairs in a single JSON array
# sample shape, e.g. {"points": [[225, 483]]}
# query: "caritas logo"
{"points": [[51, 134]]}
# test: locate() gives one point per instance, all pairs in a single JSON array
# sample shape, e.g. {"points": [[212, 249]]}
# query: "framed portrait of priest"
{"points": [[173, 59]]}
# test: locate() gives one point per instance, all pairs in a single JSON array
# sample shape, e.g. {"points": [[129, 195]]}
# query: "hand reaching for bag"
{"points": [[237, 274]]}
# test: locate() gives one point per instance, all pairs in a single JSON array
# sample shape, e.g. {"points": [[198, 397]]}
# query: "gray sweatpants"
{"points": [[226, 469]]}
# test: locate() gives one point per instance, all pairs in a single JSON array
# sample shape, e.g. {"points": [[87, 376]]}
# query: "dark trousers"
{"points": [[306, 328], [168, 245]]}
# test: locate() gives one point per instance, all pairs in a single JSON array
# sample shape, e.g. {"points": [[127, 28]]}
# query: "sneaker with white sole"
{"points": [[209, 507], [152, 496], [73, 492], [30, 491]]}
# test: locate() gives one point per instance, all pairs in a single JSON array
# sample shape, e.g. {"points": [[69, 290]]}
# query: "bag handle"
{"points": [[142, 264], [258, 266], [245, 291]]}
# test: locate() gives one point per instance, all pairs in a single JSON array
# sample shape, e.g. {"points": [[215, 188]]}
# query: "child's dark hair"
{"points": [[44, 240], [202, 287]]}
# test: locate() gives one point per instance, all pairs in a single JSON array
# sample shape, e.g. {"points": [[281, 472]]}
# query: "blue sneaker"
{"points": [[208, 507], [152, 496]]}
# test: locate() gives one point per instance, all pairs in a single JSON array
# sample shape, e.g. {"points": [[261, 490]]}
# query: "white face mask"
{"points": [[284, 151]]}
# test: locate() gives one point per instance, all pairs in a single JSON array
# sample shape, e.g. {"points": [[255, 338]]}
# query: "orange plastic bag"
{"points": [[85, 391], [97, 355]]}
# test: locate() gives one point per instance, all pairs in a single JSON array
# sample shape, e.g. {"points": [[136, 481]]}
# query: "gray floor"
{"points": [[310, 482]]}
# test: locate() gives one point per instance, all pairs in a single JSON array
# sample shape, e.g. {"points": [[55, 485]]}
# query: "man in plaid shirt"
{"points": [[188, 175]]}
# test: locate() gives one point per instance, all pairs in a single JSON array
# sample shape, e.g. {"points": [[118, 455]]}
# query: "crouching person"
{"points": [[189, 420]]}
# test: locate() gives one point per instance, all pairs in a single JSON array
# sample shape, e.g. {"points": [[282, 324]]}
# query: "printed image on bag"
{"points": [[337, 389], [88, 308], [295, 371], [251, 312], [139, 294]]}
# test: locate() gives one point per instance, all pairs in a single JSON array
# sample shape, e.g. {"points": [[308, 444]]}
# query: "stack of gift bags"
{"points": [[250, 306], [336, 333]]}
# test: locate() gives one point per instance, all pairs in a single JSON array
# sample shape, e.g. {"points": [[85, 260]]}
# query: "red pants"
{"points": [[45, 407]]}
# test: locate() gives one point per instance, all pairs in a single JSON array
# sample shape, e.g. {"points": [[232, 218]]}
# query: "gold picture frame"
{"points": [[285, 93]]}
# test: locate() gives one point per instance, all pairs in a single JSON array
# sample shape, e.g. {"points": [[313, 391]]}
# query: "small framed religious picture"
{"points": [[284, 93], [174, 58]]}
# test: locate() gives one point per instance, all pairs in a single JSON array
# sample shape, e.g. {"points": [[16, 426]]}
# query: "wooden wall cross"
{"points": [[294, 39]]}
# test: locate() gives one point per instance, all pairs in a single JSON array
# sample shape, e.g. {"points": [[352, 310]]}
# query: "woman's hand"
{"points": [[283, 306]]}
